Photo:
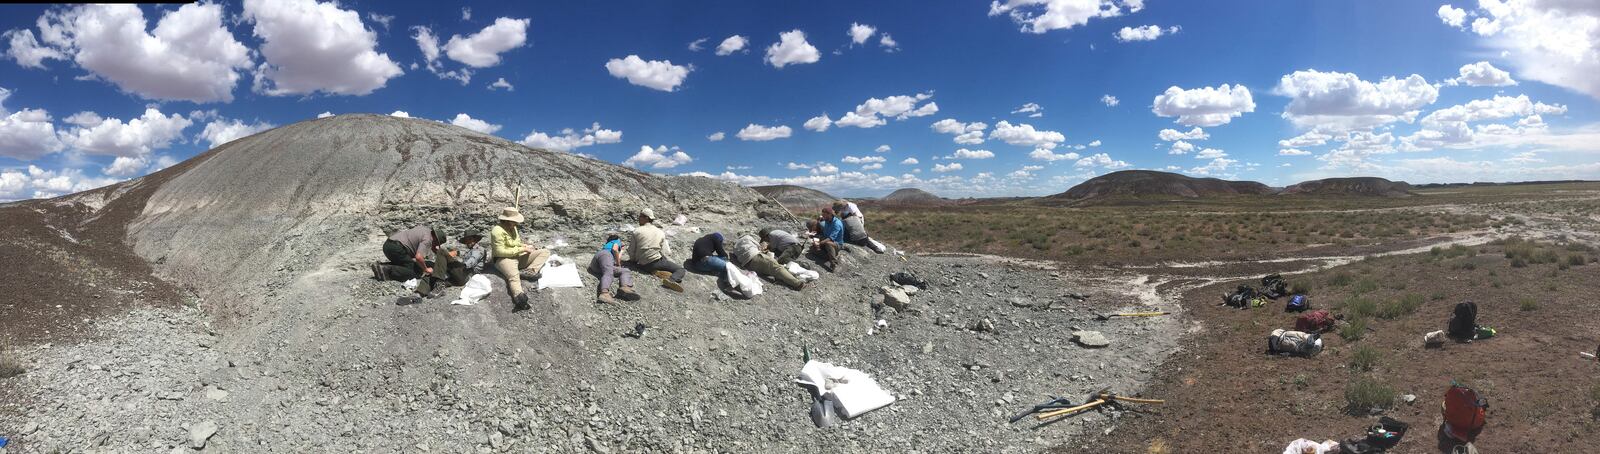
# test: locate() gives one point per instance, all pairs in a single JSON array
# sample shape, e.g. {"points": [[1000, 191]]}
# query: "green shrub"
{"points": [[1366, 393], [1341, 279], [1576, 260], [1354, 329], [1364, 358], [1406, 305], [1528, 305], [1365, 285], [1358, 307], [1300, 287]]}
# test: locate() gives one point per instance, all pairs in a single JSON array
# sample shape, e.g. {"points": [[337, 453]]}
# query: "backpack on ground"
{"points": [[1273, 287], [1240, 297], [1387, 433], [1296, 343], [1297, 303], [1464, 321], [1465, 413], [1316, 321]]}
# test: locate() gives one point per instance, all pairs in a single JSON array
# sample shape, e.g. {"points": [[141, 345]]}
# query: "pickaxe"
{"points": [[1056, 403], [1102, 397], [1130, 314]]}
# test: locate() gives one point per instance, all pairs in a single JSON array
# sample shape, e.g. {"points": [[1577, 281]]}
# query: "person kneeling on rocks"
{"points": [[855, 229], [407, 252], [747, 254], [461, 260], [648, 250], [514, 260], [607, 264], [708, 255]]}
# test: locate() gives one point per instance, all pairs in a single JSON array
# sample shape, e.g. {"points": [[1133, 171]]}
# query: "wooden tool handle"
{"points": [[1066, 411], [1140, 401]]}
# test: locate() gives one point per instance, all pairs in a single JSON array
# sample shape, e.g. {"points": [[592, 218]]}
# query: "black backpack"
{"points": [[1464, 321], [1240, 297], [1273, 286]]}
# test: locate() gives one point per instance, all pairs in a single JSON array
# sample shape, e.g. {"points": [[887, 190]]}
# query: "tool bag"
{"points": [[1465, 413], [1464, 321], [1273, 287], [1316, 321], [1387, 433], [1240, 297], [1296, 343]]}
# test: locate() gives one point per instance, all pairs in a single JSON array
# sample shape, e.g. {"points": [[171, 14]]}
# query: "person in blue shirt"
{"points": [[830, 234]]}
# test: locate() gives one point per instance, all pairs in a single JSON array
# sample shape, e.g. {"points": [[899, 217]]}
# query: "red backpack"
{"points": [[1314, 322], [1464, 413]]}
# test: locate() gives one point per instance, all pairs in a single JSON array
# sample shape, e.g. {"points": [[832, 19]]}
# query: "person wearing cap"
{"points": [[747, 254], [708, 255], [514, 260], [407, 252], [845, 208], [647, 249], [784, 245], [462, 259], [607, 264], [855, 230]]}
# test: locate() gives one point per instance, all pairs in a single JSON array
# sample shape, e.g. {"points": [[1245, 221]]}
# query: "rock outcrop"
{"points": [[1146, 183], [1352, 186], [800, 200]]}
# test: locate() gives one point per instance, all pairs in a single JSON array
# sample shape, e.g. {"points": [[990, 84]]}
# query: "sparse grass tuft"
{"points": [[1341, 279], [1357, 307], [1364, 358], [1406, 305], [1365, 285], [1300, 287], [1528, 305], [1354, 329], [10, 366], [1365, 393]]}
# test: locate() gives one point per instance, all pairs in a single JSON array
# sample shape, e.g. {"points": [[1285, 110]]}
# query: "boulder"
{"points": [[895, 298], [199, 433], [1091, 339]]}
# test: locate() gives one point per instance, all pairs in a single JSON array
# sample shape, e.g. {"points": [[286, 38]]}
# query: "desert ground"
{"points": [[1391, 267]]}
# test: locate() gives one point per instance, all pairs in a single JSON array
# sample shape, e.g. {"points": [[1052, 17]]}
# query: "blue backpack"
{"points": [[1297, 303]]}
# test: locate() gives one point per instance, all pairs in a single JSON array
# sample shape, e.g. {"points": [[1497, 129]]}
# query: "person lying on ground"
{"points": [[855, 231], [747, 255], [607, 264], [462, 259], [708, 255], [407, 252], [514, 260], [648, 250], [784, 246]]}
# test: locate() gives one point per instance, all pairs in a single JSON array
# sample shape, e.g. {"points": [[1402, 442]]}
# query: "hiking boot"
{"points": [[438, 291], [670, 284], [532, 276], [664, 275], [605, 298], [377, 271], [627, 294], [520, 303], [407, 300]]}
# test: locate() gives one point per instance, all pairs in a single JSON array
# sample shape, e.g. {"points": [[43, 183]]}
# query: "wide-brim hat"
{"points": [[511, 214], [648, 214], [471, 233]]}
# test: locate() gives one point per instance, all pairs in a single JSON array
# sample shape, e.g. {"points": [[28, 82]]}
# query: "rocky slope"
{"points": [[1353, 186], [1141, 183], [802, 201], [269, 335]]}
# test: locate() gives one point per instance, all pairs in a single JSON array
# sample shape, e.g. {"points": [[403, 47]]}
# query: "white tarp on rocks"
{"points": [[476, 288], [559, 273], [852, 391]]}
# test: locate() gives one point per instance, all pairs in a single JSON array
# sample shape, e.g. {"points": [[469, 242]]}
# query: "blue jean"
{"points": [[710, 264]]}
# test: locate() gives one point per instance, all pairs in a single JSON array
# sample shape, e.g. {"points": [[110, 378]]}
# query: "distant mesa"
{"points": [[1352, 186], [1150, 183], [912, 196], [798, 199]]}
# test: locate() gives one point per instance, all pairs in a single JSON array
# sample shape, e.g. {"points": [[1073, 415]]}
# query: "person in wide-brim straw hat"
{"points": [[514, 260], [647, 249]]}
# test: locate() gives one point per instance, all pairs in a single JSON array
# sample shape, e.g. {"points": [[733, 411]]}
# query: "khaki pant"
{"points": [[766, 266], [511, 268]]}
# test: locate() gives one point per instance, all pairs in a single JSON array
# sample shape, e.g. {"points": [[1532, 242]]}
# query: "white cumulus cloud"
{"points": [[859, 33], [1204, 106], [1293, 152], [761, 133], [942, 168], [1041, 154], [792, 49], [733, 44], [132, 138], [312, 47], [1144, 33], [1344, 101], [716, 136], [1039, 16], [1193, 134], [1101, 160], [1483, 74], [819, 123], [1452, 16], [862, 159], [1110, 101], [26, 134], [1033, 110], [568, 139], [483, 49], [222, 130], [910, 161], [658, 74], [1552, 41], [466, 121], [1023, 134], [971, 154], [659, 157], [190, 55]]}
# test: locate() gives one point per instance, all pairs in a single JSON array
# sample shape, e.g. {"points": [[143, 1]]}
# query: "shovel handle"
{"points": [[1141, 314], [1068, 411], [1139, 401]]}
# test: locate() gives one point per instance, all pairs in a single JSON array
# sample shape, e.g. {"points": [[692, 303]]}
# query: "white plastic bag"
{"points": [[852, 391], [801, 272], [477, 287], [1299, 447], [743, 281], [564, 274], [411, 285]]}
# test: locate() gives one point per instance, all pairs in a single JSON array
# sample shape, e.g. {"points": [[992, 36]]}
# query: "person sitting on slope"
{"points": [[648, 250], [514, 260]]}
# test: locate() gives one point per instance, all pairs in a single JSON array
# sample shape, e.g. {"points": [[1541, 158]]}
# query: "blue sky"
{"points": [[1281, 91]]}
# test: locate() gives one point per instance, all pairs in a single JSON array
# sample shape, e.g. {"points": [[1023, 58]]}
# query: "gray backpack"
{"points": [[1294, 342]]}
